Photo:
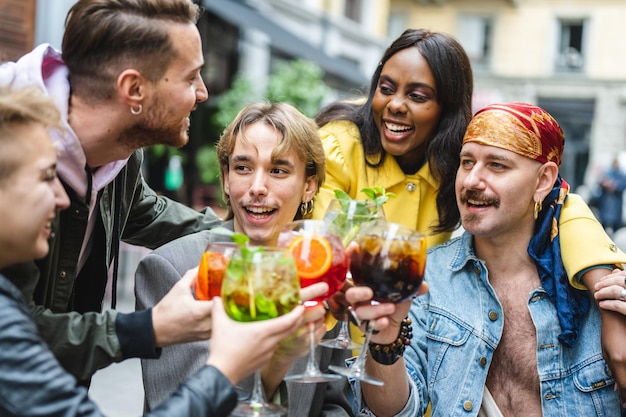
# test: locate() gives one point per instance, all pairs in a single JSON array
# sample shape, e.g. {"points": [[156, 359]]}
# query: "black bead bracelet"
{"points": [[389, 354]]}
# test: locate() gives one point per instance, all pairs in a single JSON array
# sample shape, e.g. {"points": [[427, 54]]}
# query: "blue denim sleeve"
{"points": [[415, 359]]}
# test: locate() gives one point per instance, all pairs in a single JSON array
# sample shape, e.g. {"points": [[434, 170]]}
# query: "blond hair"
{"points": [[19, 107], [299, 133]]}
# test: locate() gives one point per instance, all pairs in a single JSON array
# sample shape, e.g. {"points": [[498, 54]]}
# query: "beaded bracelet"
{"points": [[389, 354]]}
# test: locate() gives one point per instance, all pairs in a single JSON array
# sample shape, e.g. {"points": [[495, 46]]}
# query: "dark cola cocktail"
{"points": [[390, 259]]}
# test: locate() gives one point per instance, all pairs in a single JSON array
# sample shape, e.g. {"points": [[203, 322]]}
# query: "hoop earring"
{"points": [[538, 208], [138, 111], [306, 207]]}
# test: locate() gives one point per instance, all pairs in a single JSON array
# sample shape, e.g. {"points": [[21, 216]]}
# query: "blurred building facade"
{"points": [[564, 55], [345, 38]]}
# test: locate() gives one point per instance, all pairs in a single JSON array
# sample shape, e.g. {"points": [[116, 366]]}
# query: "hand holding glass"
{"points": [[260, 283], [347, 216], [320, 257], [390, 259]]}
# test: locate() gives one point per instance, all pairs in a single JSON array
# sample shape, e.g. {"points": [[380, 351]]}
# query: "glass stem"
{"points": [[359, 363], [344, 331], [311, 366], [258, 395]]}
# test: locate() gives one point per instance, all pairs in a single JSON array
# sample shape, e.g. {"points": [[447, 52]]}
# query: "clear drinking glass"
{"points": [[213, 263], [390, 259], [320, 257], [347, 216], [260, 283]]}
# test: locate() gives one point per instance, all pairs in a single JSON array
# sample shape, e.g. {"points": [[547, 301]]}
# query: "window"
{"points": [[220, 43], [475, 36], [570, 56], [353, 10], [575, 117]]}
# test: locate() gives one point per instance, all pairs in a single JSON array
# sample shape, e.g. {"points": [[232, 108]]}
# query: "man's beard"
{"points": [[151, 130]]}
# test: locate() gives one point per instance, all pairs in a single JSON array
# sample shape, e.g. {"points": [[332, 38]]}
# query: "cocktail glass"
{"points": [[213, 263], [260, 283], [390, 259], [320, 257], [347, 216]]}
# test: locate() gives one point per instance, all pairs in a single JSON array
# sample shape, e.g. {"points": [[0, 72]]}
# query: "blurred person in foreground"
{"points": [[488, 336], [32, 382], [272, 164], [128, 77]]}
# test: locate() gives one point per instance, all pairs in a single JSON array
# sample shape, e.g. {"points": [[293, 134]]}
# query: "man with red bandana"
{"points": [[500, 331]]}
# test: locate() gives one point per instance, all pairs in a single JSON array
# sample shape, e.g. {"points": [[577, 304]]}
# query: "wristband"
{"points": [[389, 354]]}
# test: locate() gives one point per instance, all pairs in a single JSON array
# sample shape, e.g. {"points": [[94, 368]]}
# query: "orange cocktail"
{"points": [[211, 269]]}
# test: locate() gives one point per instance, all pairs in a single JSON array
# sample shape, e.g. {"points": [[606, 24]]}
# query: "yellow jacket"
{"points": [[414, 204], [584, 243]]}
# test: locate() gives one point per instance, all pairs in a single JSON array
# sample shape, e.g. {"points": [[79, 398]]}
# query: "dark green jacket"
{"points": [[66, 307]]}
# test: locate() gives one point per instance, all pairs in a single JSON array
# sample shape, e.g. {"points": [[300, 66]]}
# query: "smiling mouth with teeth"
{"points": [[397, 128], [483, 203], [260, 211]]}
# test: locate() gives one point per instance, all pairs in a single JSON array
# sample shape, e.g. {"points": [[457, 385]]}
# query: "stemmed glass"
{"points": [[347, 215], [320, 257], [213, 263], [390, 259], [260, 283]]}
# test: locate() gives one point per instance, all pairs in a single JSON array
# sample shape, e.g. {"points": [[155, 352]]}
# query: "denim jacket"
{"points": [[457, 326]]}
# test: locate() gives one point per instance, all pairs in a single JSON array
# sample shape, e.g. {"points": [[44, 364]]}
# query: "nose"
{"points": [[202, 94], [259, 184], [473, 179], [396, 104], [62, 201]]}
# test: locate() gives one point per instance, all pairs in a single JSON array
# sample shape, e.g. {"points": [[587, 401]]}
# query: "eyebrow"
{"points": [[490, 156], [275, 161], [283, 162], [197, 69], [241, 158]]}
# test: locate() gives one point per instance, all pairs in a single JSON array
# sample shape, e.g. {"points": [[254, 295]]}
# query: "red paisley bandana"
{"points": [[522, 128]]}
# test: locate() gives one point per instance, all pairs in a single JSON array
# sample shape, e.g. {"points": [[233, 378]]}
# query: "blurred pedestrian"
{"points": [[611, 197]]}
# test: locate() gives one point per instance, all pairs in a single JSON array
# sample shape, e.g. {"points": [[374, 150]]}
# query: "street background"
{"points": [[118, 389]]}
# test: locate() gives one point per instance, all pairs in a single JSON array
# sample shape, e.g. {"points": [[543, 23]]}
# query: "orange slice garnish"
{"points": [[313, 255]]}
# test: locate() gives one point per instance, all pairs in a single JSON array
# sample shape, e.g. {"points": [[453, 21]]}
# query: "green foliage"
{"points": [[208, 165], [355, 212], [229, 103], [377, 195], [240, 239], [158, 150], [299, 83]]}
